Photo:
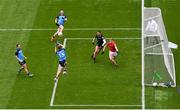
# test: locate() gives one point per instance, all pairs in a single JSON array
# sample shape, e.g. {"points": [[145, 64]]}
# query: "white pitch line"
{"points": [[98, 105], [56, 83], [123, 38], [69, 29], [64, 43], [53, 93]]}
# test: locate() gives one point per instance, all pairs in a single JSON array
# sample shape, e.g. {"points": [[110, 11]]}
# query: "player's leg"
{"points": [[60, 30], [112, 56], [96, 51], [65, 68], [59, 71], [21, 68], [26, 69]]}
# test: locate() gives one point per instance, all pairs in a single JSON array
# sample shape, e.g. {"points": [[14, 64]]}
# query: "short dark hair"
{"points": [[17, 44]]}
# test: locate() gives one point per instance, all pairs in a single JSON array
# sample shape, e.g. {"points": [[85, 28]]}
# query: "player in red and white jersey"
{"points": [[113, 51]]}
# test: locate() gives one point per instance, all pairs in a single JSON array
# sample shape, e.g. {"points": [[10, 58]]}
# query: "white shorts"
{"points": [[60, 68], [112, 55], [61, 27]]}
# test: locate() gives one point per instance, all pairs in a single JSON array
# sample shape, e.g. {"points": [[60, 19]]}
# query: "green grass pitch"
{"points": [[86, 83]]}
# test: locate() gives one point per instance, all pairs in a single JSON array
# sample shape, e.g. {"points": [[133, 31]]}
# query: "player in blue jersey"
{"points": [[61, 53], [60, 20], [21, 59]]}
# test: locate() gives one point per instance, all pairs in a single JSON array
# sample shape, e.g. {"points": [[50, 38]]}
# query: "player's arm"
{"points": [[116, 48], [16, 55], [93, 40], [104, 48], [55, 20], [104, 42], [65, 18], [25, 57], [55, 49]]}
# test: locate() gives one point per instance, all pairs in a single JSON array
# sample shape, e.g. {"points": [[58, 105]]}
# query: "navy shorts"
{"points": [[22, 63], [62, 63]]}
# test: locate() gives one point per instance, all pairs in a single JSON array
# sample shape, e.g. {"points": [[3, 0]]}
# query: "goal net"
{"points": [[158, 58]]}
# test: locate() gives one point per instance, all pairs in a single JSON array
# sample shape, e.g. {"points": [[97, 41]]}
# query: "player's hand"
{"points": [[102, 52], [93, 43]]}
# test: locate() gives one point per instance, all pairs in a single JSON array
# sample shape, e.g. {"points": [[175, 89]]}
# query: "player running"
{"points": [[21, 59], [99, 45], [61, 53], [60, 20], [113, 51]]}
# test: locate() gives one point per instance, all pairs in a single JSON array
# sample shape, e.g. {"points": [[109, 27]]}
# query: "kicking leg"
{"points": [[56, 33]]}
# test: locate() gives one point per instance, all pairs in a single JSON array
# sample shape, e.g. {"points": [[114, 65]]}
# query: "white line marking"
{"points": [[152, 46], [150, 18], [70, 29], [158, 54], [56, 83], [53, 93], [126, 38], [98, 105], [64, 43], [142, 57]]}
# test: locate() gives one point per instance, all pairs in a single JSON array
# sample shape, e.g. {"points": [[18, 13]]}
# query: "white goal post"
{"points": [[159, 64]]}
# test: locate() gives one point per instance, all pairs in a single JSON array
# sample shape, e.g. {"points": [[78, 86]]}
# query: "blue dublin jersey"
{"points": [[61, 20], [19, 54], [61, 54]]}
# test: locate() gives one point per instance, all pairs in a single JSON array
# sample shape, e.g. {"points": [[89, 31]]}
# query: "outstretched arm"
{"points": [[55, 20], [93, 40], [18, 59], [55, 49], [116, 48], [65, 18], [104, 48], [104, 41]]}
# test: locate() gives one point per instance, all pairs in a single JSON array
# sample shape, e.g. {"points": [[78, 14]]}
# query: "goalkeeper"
{"points": [[99, 44]]}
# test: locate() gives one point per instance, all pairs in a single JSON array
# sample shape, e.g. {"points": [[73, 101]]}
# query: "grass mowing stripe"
{"points": [[8, 63]]}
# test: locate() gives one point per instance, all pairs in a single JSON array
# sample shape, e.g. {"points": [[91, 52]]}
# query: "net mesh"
{"points": [[159, 60]]}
